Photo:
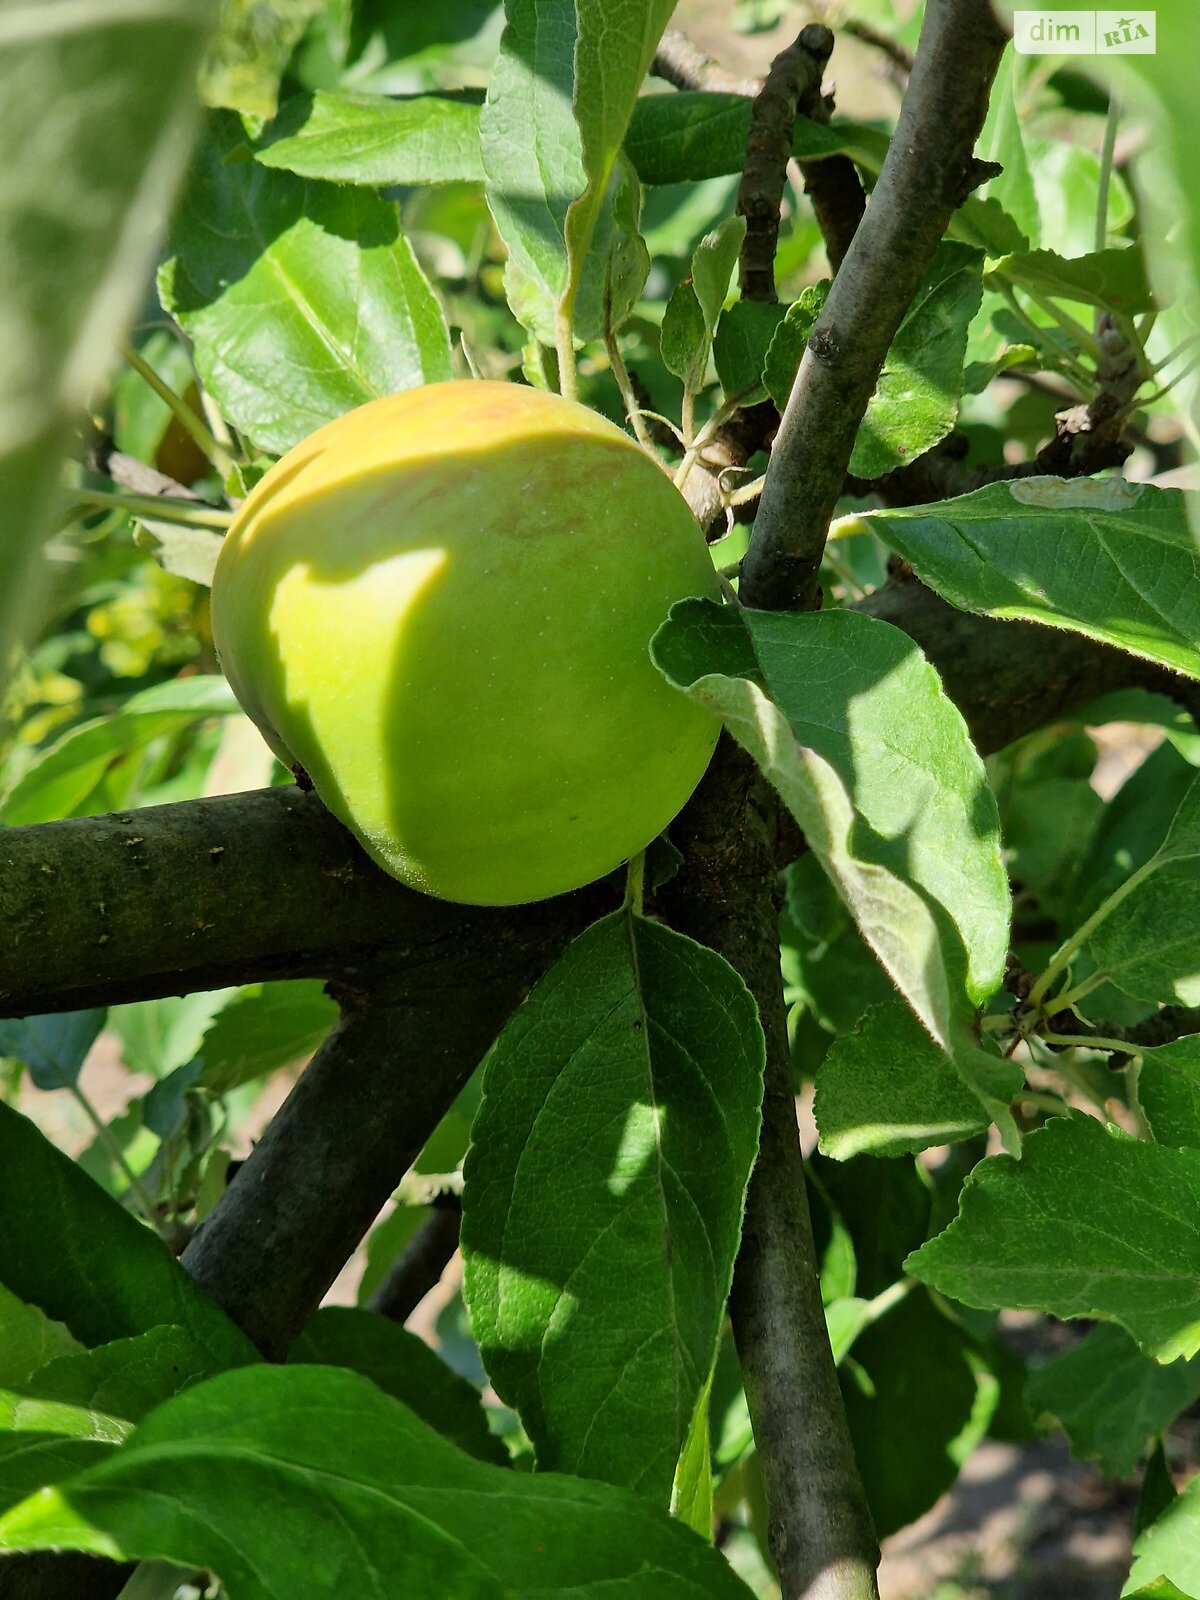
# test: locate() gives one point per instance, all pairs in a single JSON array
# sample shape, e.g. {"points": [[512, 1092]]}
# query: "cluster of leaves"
{"points": [[373, 207]]}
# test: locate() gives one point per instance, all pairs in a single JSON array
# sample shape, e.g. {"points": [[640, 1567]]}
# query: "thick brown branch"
{"points": [[241, 888], [927, 169], [340, 1144]]}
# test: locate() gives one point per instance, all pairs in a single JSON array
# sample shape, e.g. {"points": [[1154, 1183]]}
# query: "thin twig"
{"points": [[421, 1263], [795, 76], [1106, 169], [678, 61], [927, 174], [145, 1203], [192, 425], [901, 58], [190, 513]]}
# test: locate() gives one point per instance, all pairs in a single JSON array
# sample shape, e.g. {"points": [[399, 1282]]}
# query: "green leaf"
{"points": [[916, 397], [789, 339], [1146, 936], [1157, 1589], [246, 60], [1168, 1089], [692, 1490], [1113, 279], [1109, 1398], [558, 104], [696, 134], [86, 1261], [688, 137], [404, 1366], [272, 273], [744, 336], [28, 1340], [850, 723], [988, 226], [713, 263], [1131, 827], [350, 137], [77, 1408], [379, 1498], [1077, 1228], [684, 340], [127, 1377], [884, 1206], [887, 1090], [44, 1441], [159, 1035], [189, 553], [345, 137], [692, 311], [911, 1391], [915, 402], [978, 374], [264, 1026], [65, 779], [1003, 140], [1169, 1551], [97, 112], [1109, 559], [1066, 178], [604, 1192], [1157, 1490], [53, 1048]]}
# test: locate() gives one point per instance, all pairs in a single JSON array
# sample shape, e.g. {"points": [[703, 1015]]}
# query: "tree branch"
{"points": [[237, 889], [793, 81], [422, 1262], [210, 892], [900, 57], [679, 62], [353, 1125], [925, 177], [250, 887], [792, 89], [820, 1530]]}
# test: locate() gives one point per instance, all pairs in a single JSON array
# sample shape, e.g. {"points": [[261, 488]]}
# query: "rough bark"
{"points": [[927, 174], [821, 1535]]}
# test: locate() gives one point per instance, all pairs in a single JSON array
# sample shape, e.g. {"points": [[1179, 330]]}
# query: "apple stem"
{"points": [[192, 425], [633, 411], [188, 513], [564, 344]]}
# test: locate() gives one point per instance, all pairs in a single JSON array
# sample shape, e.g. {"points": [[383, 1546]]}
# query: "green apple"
{"points": [[440, 605]]}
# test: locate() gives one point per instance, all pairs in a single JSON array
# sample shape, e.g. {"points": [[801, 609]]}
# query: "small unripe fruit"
{"points": [[440, 605]]}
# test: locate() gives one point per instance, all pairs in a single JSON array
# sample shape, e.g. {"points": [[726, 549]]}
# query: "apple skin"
{"points": [[440, 605]]}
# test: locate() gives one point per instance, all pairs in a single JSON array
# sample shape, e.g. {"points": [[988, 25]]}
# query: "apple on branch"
{"points": [[440, 605]]}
